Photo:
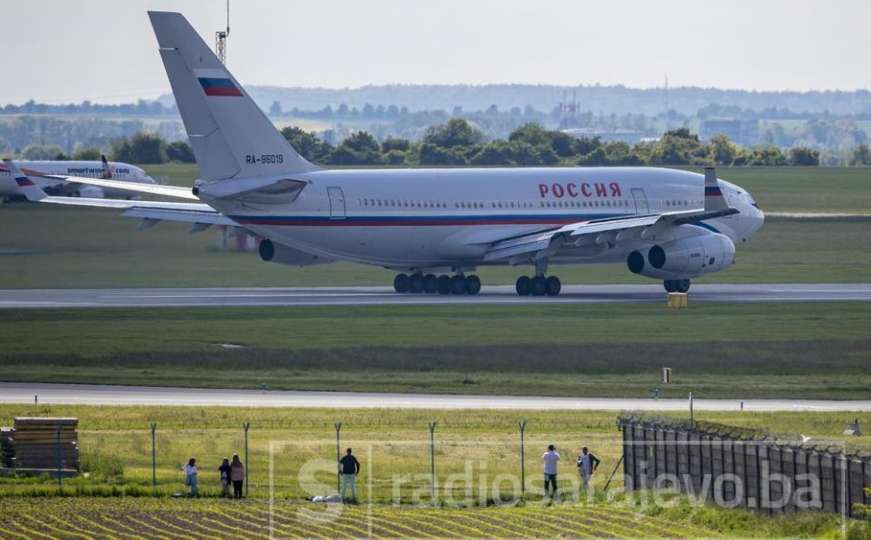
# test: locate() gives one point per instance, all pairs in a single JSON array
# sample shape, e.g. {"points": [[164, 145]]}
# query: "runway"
{"points": [[81, 394], [348, 296]]}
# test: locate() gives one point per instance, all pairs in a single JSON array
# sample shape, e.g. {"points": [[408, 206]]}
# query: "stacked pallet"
{"points": [[45, 444]]}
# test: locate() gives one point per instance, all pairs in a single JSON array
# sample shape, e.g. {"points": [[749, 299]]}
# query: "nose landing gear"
{"points": [[431, 284], [676, 285]]}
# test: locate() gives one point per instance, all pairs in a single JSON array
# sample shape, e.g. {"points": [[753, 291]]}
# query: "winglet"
{"points": [[714, 200], [25, 185]]}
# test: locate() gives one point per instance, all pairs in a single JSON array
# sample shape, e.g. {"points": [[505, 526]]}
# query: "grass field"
{"points": [[64, 518], [472, 448], [808, 350]]}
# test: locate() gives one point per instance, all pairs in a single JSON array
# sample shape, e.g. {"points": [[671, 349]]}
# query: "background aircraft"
{"points": [[434, 226], [50, 176]]}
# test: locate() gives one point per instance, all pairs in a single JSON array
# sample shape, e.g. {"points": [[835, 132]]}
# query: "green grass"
{"points": [[809, 350], [805, 189]]}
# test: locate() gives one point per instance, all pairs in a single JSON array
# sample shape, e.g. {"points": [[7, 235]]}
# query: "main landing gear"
{"points": [[538, 286], [431, 284], [676, 285]]}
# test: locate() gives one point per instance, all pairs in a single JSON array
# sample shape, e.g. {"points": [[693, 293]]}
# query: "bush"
{"points": [[102, 466], [180, 151]]}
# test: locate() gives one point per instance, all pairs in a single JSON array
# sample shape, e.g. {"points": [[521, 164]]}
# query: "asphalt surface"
{"points": [[82, 394], [344, 296]]}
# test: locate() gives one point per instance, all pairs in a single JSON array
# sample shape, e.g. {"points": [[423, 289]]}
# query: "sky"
{"points": [[103, 50]]}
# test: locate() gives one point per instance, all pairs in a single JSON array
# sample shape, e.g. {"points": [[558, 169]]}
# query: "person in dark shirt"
{"points": [[349, 468], [224, 469]]}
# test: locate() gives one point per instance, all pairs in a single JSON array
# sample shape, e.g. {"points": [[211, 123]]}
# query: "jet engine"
{"points": [[281, 254], [90, 192], [684, 258]]}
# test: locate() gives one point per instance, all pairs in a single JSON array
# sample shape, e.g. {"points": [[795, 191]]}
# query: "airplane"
{"points": [[50, 176], [434, 227]]}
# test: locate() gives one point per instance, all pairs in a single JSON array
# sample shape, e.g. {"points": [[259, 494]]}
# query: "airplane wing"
{"points": [[151, 189], [151, 212], [610, 231]]}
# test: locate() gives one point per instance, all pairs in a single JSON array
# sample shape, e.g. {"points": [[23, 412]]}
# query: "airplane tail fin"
{"points": [[107, 171], [714, 200], [230, 136], [25, 185]]}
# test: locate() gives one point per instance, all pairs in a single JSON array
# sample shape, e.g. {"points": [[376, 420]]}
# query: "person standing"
{"points": [[587, 464], [225, 471], [349, 468], [190, 477], [237, 476], [550, 459]]}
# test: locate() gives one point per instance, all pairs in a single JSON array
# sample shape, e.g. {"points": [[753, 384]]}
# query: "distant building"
{"points": [[629, 136], [743, 132]]}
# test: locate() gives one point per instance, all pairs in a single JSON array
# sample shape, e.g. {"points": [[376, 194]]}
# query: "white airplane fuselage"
{"points": [[419, 219], [37, 171]]}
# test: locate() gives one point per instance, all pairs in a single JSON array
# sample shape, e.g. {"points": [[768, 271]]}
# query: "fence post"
{"points": [[432, 427], [522, 460], [692, 422], [246, 426], [338, 426], [154, 457], [60, 476]]}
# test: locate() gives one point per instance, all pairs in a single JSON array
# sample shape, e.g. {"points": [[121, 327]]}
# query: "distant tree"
{"points": [[493, 153], [805, 157], [585, 145], [456, 132], [360, 148], [678, 147], [431, 154], [275, 109], [861, 156], [722, 151], [140, 148], [765, 156], [180, 151], [87, 153], [43, 151], [532, 134], [392, 143], [594, 158], [396, 157], [307, 144], [562, 143]]}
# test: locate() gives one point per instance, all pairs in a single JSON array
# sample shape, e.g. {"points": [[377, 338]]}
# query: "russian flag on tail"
{"points": [[216, 82]]}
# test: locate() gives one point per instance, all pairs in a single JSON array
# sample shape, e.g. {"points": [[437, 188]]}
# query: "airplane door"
{"points": [[337, 202], [641, 207]]}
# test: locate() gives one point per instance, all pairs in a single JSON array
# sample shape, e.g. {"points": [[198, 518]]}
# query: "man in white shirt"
{"points": [[550, 459]]}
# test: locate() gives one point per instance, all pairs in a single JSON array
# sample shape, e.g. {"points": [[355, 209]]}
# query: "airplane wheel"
{"points": [[682, 285], [473, 284], [415, 284], [458, 284], [539, 286], [669, 285], [523, 286], [401, 283], [553, 286], [430, 284], [444, 284]]}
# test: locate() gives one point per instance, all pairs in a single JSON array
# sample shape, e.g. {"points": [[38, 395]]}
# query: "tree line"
{"points": [[459, 143]]}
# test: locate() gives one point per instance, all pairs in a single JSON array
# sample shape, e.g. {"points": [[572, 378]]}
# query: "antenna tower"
{"points": [[221, 39]]}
